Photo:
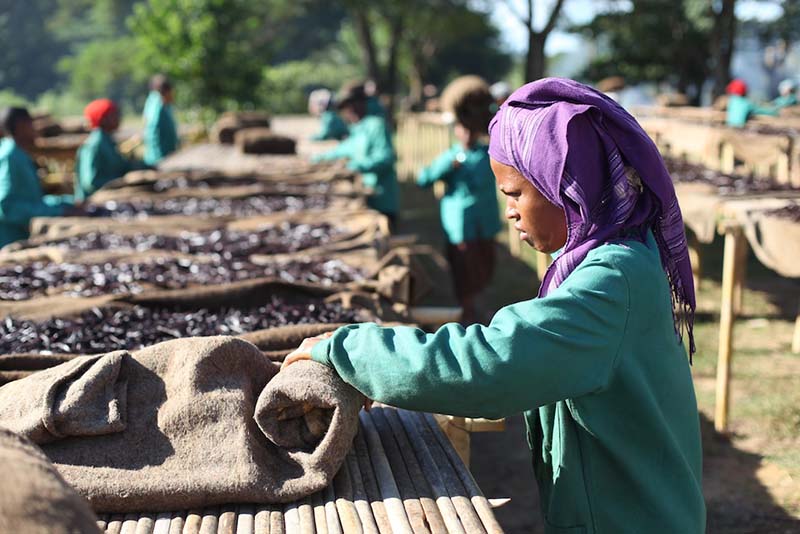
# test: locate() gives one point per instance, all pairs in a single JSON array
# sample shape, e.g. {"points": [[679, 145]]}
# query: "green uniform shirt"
{"points": [[785, 101], [369, 151], [598, 370], [740, 108], [98, 162], [160, 131], [469, 209], [21, 196], [331, 127]]}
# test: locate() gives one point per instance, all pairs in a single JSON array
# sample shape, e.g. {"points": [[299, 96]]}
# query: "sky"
{"points": [[514, 34]]}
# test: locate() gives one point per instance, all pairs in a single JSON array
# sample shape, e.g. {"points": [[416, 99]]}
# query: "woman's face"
{"points": [[540, 224]]}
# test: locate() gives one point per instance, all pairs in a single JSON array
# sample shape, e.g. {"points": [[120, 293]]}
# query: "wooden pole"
{"points": [[733, 240], [543, 261], [741, 274], [796, 337]]}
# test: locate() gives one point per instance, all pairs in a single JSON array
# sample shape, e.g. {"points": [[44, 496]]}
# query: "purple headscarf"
{"points": [[611, 184]]}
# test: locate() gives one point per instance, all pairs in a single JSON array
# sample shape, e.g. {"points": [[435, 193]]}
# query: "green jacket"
{"points": [[98, 162], [331, 127], [160, 131], [21, 196], [369, 151], [741, 108], [469, 208], [611, 411]]}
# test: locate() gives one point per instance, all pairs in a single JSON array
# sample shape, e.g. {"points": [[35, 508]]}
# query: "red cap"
{"points": [[97, 110], [737, 87]]}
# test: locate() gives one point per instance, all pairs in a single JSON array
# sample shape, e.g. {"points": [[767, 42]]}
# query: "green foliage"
{"points": [[106, 68], [286, 86], [656, 41], [211, 48], [24, 44]]}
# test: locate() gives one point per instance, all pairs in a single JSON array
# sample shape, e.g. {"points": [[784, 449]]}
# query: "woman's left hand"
{"points": [[303, 352]]}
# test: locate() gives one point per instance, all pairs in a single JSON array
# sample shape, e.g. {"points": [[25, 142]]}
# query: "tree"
{"points": [[25, 44], [723, 40], [535, 61], [655, 41], [214, 49]]}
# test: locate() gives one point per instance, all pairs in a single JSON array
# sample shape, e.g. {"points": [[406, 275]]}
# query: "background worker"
{"points": [[160, 130], [21, 196], [368, 150], [787, 94], [469, 210], [740, 107], [99, 161], [320, 104]]}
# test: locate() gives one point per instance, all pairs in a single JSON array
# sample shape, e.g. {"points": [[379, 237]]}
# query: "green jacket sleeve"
{"points": [[379, 155], [340, 151], [440, 169], [533, 353], [19, 208]]}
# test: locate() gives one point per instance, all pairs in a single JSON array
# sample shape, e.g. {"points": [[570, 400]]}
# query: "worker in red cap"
{"points": [[99, 161], [740, 107]]}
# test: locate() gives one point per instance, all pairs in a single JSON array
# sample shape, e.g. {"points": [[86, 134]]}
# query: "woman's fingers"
{"points": [[295, 356]]}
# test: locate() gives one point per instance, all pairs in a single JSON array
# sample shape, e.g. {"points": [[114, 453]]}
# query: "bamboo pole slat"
{"points": [[386, 482], [401, 476]]}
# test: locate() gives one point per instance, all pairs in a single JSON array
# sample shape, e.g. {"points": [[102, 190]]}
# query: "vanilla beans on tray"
{"points": [[106, 329]]}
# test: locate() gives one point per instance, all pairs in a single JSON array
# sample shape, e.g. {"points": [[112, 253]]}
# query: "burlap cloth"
{"points": [[774, 240], [263, 141], [186, 423], [224, 130], [34, 499], [700, 205]]}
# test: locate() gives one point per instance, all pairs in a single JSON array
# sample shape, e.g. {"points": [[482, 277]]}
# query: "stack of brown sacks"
{"points": [[186, 423]]}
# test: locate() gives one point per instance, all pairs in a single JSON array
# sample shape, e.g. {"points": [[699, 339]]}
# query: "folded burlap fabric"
{"points": [[186, 423], [34, 499]]}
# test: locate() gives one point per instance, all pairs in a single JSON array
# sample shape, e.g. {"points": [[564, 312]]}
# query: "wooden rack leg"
{"points": [[796, 337], [741, 274], [543, 261], [514, 244], [733, 241], [696, 259]]}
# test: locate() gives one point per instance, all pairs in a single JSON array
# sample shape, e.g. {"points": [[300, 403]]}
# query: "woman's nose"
{"points": [[512, 213]]}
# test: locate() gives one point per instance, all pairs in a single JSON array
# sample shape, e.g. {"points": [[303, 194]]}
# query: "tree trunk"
{"points": [[535, 62], [722, 45], [364, 32], [390, 86]]}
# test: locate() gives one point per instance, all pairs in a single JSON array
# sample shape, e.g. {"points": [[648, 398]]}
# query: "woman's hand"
{"points": [[303, 352]]}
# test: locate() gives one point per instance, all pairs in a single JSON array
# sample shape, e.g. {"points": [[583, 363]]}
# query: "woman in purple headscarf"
{"points": [[596, 362]]}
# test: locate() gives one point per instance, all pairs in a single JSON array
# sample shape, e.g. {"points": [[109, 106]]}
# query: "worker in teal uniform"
{"points": [[596, 362], [99, 161], [787, 94], [740, 107], [320, 104], [160, 131], [21, 196], [469, 213], [368, 151]]}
